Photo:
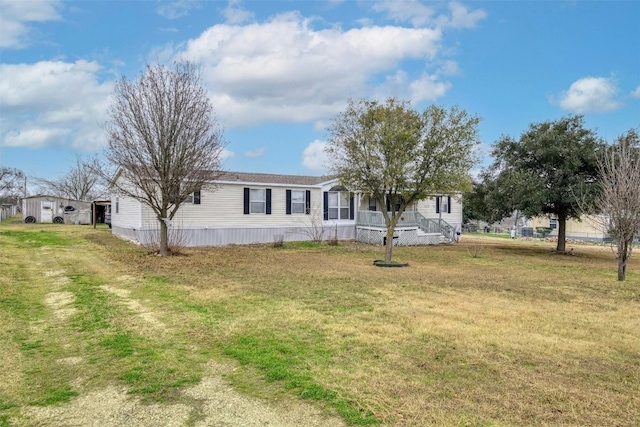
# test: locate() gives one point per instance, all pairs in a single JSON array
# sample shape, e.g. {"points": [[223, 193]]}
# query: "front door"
{"points": [[46, 212]]}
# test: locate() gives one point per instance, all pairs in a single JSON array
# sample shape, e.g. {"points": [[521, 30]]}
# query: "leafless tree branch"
{"points": [[81, 182]]}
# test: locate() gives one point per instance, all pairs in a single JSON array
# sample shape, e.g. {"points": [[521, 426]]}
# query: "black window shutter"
{"points": [[268, 201], [325, 205], [196, 197], [288, 202], [307, 200], [438, 204], [246, 201], [351, 206], [388, 204], [448, 204]]}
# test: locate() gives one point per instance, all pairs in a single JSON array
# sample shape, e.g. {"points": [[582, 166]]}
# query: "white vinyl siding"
{"points": [[224, 208], [126, 213], [428, 209]]}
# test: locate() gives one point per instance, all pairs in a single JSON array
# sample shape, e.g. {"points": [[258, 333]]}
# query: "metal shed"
{"points": [[54, 209]]}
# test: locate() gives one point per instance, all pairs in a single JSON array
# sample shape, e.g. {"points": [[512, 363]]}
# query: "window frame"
{"points": [[298, 207], [336, 206], [253, 202]]}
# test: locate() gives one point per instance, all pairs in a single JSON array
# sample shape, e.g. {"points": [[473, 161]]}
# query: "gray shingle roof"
{"points": [[266, 178]]}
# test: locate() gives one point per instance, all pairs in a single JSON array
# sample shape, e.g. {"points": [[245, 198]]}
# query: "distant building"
{"points": [[59, 210], [588, 229]]}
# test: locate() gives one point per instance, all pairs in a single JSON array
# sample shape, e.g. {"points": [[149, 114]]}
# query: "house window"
{"points": [[553, 223], [372, 204], [117, 205], [394, 201], [257, 201], [443, 204], [193, 198], [298, 202], [338, 204]]}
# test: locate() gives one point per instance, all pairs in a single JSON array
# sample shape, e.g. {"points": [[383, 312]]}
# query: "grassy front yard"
{"points": [[488, 332]]}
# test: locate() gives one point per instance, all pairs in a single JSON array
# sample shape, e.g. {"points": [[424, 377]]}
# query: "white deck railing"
{"points": [[407, 219]]}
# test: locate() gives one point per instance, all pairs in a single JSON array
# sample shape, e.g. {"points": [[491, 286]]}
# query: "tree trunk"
{"points": [[562, 233], [623, 257], [389, 246], [164, 240]]}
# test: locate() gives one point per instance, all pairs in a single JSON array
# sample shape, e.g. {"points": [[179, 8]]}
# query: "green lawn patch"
{"points": [[283, 359]]}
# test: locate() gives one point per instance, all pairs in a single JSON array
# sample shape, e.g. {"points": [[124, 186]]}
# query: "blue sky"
{"points": [[278, 71]]}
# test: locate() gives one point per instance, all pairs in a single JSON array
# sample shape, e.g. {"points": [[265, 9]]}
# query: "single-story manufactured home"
{"points": [[247, 208]]}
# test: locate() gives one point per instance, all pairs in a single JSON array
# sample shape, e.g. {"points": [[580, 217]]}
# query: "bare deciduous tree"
{"points": [[164, 139], [82, 182], [313, 226], [619, 201], [11, 184]]}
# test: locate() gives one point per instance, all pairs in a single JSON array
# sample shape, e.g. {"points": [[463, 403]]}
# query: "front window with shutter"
{"points": [[443, 204], [338, 204], [191, 199]]}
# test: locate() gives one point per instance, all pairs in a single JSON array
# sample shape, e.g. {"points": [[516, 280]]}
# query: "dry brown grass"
{"points": [[515, 335]]}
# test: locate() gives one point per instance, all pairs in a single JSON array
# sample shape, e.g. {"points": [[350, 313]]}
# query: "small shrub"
{"points": [[474, 250]]}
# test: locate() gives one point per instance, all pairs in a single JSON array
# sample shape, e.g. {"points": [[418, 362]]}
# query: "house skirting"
{"points": [[402, 236], [203, 236]]}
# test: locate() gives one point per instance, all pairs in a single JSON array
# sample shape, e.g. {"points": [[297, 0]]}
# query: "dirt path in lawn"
{"points": [[211, 402]]}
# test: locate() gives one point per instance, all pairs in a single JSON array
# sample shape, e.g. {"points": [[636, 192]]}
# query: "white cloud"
{"points": [[461, 17], [284, 70], [53, 103], [176, 9], [420, 15], [406, 11], [258, 152], [226, 154], [16, 17], [590, 95], [234, 14], [449, 68], [636, 93], [425, 88], [314, 156], [34, 137]]}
